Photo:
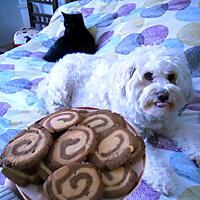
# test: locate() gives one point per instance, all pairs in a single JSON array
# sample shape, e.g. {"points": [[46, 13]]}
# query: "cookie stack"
{"points": [[76, 154]]}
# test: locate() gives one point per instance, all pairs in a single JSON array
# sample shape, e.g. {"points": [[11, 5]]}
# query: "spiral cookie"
{"points": [[61, 120], [43, 170], [119, 182], [114, 149], [139, 151], [103, 120], [19, 177], [27, 149], [72, 146], [76, 181]]}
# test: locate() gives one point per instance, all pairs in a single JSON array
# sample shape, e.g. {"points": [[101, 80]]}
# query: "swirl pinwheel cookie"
{"points": [[73, 146], [20, 177], [139, 151], [74, 182], [102, 120], [27, 149], [119, 182], [61, 120], [115, 147], [43, 170]]}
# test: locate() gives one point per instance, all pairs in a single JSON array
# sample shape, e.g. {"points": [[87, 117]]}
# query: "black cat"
{"points": [[76, 39]]}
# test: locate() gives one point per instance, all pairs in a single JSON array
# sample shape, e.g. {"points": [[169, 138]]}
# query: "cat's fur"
{"points": [[75, 39]]}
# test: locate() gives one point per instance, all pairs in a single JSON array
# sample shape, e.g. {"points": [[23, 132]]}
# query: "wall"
{"points": [[22, 7], [10, 20]]}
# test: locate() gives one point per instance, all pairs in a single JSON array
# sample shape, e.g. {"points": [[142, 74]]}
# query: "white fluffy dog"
{"points": [[149, 87]]}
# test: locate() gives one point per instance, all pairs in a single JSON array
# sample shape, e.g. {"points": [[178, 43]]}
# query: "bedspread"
{"points": [[119, 26]]}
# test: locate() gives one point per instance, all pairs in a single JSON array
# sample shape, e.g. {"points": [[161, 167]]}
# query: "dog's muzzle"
{"points": [[162, 98]]}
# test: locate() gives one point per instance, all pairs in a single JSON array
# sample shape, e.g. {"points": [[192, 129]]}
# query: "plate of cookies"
{"points": [[78, 153]]}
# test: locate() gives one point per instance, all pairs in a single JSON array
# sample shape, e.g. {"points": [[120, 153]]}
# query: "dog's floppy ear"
{"points": [[127, 76], [131, 71], [122, 74]]}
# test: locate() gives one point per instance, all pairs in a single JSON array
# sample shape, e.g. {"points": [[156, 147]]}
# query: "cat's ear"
{"points": [[80, 16], [65, 15]]}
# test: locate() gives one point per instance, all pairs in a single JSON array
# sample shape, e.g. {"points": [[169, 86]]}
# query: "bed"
{"points": [[118, 26]]}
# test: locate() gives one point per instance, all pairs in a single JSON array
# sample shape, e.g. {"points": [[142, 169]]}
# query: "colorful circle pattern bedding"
{"points": [[119, 26]]}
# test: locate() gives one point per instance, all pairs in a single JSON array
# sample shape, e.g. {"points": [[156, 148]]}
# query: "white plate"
{"points": [[34, 192]]}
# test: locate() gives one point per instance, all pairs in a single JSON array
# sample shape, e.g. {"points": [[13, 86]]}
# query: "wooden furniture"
{"points": [[68, 1], [6, 48], [40, 18]]}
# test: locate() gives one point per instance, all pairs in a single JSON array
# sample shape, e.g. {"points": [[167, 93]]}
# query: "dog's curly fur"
{"points": [[149, 87]]}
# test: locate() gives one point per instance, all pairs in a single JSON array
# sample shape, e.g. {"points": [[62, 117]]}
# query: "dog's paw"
{"points": [[53, 107], [164, 186], [162, 182]]}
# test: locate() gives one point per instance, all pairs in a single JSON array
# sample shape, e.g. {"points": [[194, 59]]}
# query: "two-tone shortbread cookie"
{"points": [[74, 182], [139, 151], [20, 177], [43, 170], [27, 149], [115, 147], [73, 146], [119, 182], [61, 120], [103, 120]]}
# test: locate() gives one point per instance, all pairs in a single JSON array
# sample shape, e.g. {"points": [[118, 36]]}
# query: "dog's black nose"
{"points": [[163, 95]]}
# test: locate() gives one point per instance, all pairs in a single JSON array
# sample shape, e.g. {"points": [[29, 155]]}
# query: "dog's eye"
{"points": [[171, 78], [148, 76]]}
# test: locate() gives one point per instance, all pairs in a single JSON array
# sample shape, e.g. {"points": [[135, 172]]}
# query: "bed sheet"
{"points": [[119, 26]]}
